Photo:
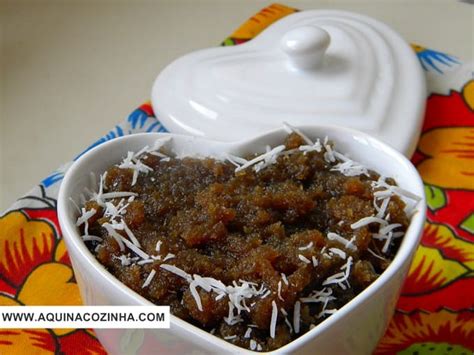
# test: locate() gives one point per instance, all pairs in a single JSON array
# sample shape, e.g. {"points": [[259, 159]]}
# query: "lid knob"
{"points": [[305, 46]]}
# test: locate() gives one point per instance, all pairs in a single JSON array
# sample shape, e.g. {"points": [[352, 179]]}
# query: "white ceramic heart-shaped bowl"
{"points": [[353, 329]]}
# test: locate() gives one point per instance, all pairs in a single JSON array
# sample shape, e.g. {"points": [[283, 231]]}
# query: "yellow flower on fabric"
{"points": [[34, 262], [41, 289], [24, 244], [451, 157]]}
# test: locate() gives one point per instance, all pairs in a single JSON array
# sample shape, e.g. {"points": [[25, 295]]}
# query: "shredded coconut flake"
{"points": [[267, 158], [296, 316], [91, 238], [113, 213], [350, 168], [158, 246], [253, 344], [147, 261], [135, 249], [326, 312], [195, 294], [237, 161], [316, 147], [237, 294], [338, 252], [290, 129], [124, 259], [86, 215], [347, 243], [306, 246], [273, 320], [340, 277], [304, 259], [385, 191], [279, 291], [118, 194], [392, 190], [131, 236], [329, 154], [177, 271], [388, 240], [375, 254], [389, 228], [323, 296], [247, 333], [150, 277], [169, 256], [118, 238], [133, 162], [368, 220], [287, 322], [383, 208]]}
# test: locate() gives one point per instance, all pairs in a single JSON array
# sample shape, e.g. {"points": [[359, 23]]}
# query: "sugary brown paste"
{"points": [[279, 240]]}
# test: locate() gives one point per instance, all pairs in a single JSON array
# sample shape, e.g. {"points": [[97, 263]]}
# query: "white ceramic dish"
{"points": [[354, 329], [312, 67]]}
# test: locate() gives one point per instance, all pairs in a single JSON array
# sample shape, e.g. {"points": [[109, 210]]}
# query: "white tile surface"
{"points": [[70, 70]]}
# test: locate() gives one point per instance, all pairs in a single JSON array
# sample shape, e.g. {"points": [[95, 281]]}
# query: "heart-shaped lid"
{"points": [[312, 67]]}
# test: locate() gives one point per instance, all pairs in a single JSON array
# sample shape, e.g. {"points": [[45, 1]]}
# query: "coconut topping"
{"points": [[273, 320], [248, 332], [309, 246], [304, 259], [296, 317], [348, 244], [149, 278]]}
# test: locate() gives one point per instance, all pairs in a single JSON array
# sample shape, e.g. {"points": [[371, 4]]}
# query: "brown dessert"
{"points": [[256, 251]]}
